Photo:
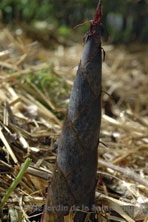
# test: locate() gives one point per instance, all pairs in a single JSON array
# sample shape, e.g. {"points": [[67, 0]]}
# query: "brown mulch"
{"points": [[31, 117]]}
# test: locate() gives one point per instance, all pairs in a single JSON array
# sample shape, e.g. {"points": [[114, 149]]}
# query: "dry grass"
{"points": [[30, 125]]}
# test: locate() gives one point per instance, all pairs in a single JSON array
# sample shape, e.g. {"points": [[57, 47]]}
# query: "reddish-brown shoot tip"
{"points": [[98, 15]]}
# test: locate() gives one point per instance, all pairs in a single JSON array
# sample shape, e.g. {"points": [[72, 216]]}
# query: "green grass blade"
{"points": [[15, 182], [20, 216]]}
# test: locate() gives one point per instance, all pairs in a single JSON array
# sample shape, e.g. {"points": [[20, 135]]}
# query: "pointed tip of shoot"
{"points": [[98, 15]]}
